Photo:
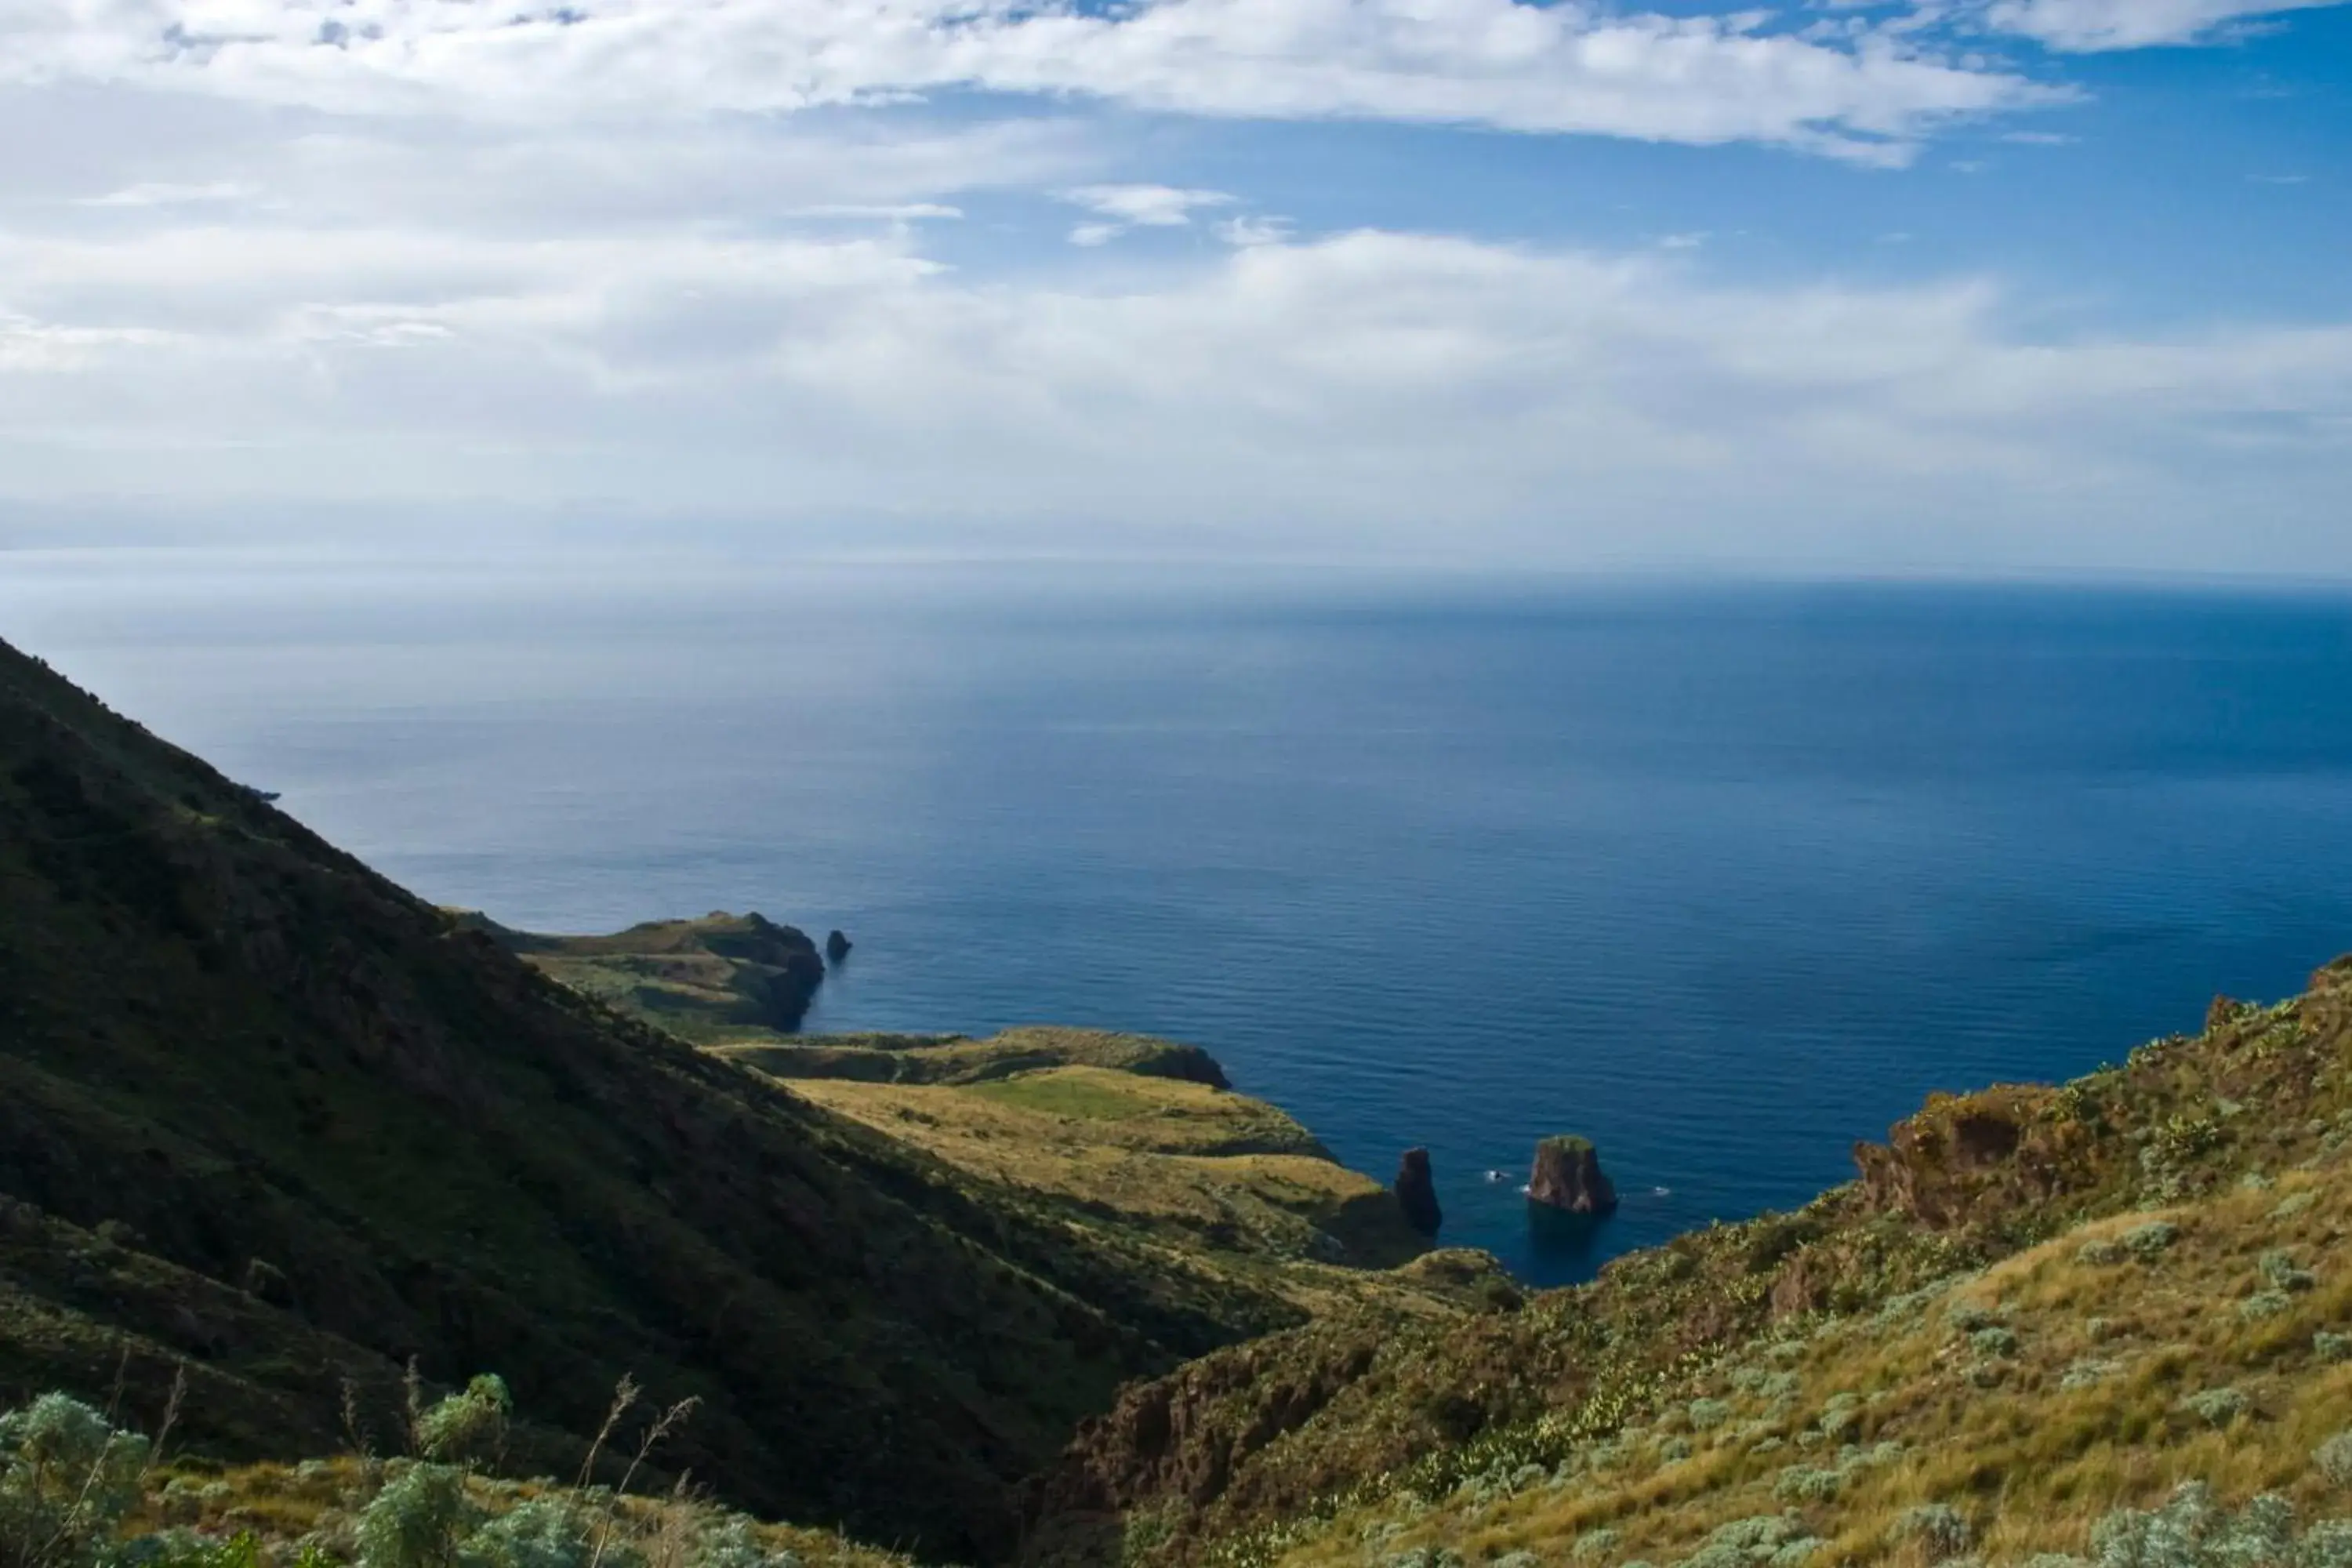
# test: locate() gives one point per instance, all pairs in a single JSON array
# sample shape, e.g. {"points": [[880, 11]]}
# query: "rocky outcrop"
{"points": [[1417, 1192], [1965, 1157], [1568, 1176], [837, 945]]}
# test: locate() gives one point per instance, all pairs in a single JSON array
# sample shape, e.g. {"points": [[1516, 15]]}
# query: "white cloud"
{"points": [[1120, 208], [1369, 386], [1253, 229], [2087, 26], [1575, 66], [159, 194]]}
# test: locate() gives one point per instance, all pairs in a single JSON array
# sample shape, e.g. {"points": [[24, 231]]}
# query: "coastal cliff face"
{"points": [[701, 978]]}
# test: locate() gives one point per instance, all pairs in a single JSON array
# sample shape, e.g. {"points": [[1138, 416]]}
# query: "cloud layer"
{"points": [[1575, 66], [1365, 387], [2087, 25]]}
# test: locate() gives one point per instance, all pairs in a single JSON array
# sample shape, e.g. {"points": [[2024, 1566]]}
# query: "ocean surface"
{"points": [[1725, 878]]}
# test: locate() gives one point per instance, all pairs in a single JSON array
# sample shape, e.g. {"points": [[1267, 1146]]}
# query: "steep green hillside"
{"points": [[262, 1111]]}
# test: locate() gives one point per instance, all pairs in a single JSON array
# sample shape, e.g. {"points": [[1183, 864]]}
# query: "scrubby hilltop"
{"points": [[262, 1111]]}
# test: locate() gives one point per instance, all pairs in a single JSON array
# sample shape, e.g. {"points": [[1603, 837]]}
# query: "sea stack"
{"points": [[1567, 1175], [1417, 1192], [836, 946]]}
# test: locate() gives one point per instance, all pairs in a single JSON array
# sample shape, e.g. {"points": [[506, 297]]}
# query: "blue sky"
{"points": [[1949, 286]]}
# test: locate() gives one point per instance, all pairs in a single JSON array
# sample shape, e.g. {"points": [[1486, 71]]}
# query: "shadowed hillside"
{"points": [[263, 1111]]}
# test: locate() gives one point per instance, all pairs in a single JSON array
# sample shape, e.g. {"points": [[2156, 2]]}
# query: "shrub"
{"points": [[1993, 1342], [1705, 1415], [67, 1478], [2216, 1407], [1777, 1538], [1594, 1543], [2089, 1370], [1968, 1318], [1805, 1483], [468, 1429], [2278, 1267], [2331, 1347], [2265, 1304], [2333, 1459], [187, 1549], [418, 1520], [2101, 1253], [2294, 1204], [552, 1532], [2190, 1531], [2150, 1241], [1939, 1529]]}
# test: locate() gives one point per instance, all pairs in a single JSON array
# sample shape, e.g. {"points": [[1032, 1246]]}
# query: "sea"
{"points": [[1723, 875]]}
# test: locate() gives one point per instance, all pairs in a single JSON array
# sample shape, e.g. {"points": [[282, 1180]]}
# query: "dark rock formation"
{"points": [[836, 946], [1567, 1175], [1417, 1192]]}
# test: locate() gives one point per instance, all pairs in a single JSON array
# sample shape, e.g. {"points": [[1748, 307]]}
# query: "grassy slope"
{"points": [[1228, 1204], [261, 1109], [1247, 1456]]}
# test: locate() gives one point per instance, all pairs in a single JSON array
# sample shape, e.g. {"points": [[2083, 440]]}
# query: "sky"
{"points": [[1993, 287]]}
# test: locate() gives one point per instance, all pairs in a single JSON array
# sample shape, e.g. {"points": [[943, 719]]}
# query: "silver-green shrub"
{"points": [[467, 1428], [67, 1478], [2278, 1267], [2191, 1531], [550, 1531], [1940, 1530], [1779, 1539], [2216, 1407], [2333, 1459], [418, 1520]]}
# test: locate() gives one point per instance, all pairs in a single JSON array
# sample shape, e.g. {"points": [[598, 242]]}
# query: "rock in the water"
{"points": [[1567, 1175], [1417, 1192], [836, 946]]}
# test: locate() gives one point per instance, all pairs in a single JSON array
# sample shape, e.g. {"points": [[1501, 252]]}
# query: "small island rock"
{"points": [[1567, 1175], [1417, 1191], [836, 946]]}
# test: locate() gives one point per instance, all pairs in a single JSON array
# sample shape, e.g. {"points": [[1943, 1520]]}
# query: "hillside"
{"points": [[1054, 1295], [2036, 1308], [1220, 1199], [264, 1111]]}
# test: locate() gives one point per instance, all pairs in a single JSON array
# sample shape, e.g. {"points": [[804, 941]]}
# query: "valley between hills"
{"points": [[336, 1227]]}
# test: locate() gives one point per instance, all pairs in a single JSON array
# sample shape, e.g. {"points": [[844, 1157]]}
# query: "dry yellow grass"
{"points": [[2033, 1399], [1223, 1178]]}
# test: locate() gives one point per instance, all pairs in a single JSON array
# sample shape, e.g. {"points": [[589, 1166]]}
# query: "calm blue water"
{"points": [[1724, 878]]}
